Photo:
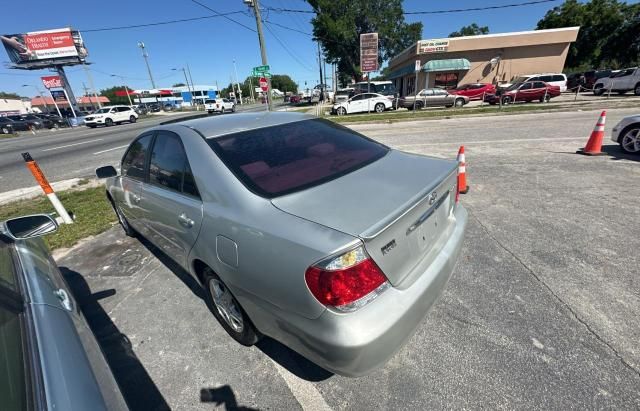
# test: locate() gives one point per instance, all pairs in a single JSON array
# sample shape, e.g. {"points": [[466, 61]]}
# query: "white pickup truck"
{"points": [[221, 105], [621, 82]]}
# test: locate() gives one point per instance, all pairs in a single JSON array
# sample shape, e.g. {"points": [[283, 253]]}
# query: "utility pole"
{"points": [[321, 80], [193, 87], [146, 61], [126, 90], [263, 51], [237, 84], [86, 93], [93, 88]]}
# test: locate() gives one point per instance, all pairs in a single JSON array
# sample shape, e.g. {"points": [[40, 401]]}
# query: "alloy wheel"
{"points": [[226, 305], [631, 141]]}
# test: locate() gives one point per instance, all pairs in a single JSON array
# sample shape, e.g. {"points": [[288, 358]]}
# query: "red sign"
{"points": [[263, 84], [52, 82], [47, 41], [369, 52]]}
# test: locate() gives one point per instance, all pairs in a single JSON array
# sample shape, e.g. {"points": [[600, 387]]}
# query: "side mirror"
{"points": [[106, 172], [31, 226]]}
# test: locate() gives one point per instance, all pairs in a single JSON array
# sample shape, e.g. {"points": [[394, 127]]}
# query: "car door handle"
{"points": [[185, 221]]}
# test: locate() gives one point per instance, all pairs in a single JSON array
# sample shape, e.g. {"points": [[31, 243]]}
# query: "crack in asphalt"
{"points": [[562, 302]]}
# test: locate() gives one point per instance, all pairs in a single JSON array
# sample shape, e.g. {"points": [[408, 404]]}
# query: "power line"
{"points": [[502, 6], [286, 48], [160, 23], [222, 15]]}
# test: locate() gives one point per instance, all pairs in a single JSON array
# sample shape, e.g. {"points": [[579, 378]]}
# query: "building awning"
{"points": [[446, 65], [402, 71]]}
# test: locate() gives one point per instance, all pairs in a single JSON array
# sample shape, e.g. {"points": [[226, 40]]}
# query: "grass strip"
{"points": [[91, 208]]}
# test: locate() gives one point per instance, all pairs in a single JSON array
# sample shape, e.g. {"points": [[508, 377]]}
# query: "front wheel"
{"points": [[636, 90], [598, 91], [5, 130], [379, 108], [506, 100], [630, 141], [233, 108], [459, 102], [228, 311], [222, 110], [132, 119], [342, 111], [108, 122]]}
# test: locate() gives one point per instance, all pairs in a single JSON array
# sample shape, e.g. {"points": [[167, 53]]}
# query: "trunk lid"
{"points": [[399, 206]]}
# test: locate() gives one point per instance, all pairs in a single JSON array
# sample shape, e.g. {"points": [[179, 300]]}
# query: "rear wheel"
{"points": [[419, 105], [506, 100], [56, 126], [233, 108], [636, 90], [132, 119], [379, 108], [598, 90], [227, 310], [5, 130], [630, 141], [108, 122], [222, 110]]}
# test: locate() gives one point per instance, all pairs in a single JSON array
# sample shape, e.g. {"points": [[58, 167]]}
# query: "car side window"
{"points": [[427, 92], [539, 84], [134, 160], [525, 86], [558, 78], [358, 97], [122, 109], [169, 167]]}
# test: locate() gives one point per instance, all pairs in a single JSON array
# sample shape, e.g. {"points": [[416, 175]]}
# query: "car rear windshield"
{"points": [[283, 159]]}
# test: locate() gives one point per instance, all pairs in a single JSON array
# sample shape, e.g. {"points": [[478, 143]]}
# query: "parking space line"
{"points": [[110, 149], [515, 140], [303, 391], [74, 144]]}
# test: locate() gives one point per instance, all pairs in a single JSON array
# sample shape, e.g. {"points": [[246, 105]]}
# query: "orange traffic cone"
{"points": [[594, 145], [463, 188]]}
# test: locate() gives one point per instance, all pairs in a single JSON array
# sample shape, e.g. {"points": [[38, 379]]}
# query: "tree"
{"points": [[608, 33], [283, 83], [339, 23], [10, 96], [471, 30], [110, 93], [179, 85]]}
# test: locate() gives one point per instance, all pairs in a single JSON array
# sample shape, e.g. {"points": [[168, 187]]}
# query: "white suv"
{"points": [[554, 79], [111, 115], [220, 104], [620, 82]]}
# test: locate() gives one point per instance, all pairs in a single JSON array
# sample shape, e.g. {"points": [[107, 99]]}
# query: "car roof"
{"points": [[216, 126]]}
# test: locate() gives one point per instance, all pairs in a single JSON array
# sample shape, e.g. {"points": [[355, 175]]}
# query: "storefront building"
{"points": [[492, 58]]}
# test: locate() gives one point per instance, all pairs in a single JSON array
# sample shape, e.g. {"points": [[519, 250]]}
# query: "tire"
{"points": [[379, 108], [630, 139], [506, 101], [419, 105], [222, 110], [132, 119], [209, 111], [108, 122], [123, 221], [598, 91], [636, 90], [342, 111], [228, 311], [5, 130], [233, 108], [56, 126], [459, 102]]}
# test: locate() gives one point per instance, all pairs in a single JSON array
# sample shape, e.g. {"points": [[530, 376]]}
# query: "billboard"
{"points": [[433, 46], [52, 82], [39, 49], [59, 96]]}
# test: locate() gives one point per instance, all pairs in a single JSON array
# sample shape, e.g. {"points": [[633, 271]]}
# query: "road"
{"points": [[71, 153], [542, 311]]}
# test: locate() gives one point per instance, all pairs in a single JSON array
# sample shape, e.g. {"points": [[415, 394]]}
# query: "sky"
{"points": [[210, 46]]}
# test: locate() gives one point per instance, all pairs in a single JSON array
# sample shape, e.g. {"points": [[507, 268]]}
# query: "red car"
{"points": [[294, 99], [525, 92], [475, 91]]}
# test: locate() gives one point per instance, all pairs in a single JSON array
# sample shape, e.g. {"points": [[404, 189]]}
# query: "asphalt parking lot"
{"points": [[542, 311]]}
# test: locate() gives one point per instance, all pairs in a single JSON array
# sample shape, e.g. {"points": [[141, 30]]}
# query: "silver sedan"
{"points": [[297, 228]]}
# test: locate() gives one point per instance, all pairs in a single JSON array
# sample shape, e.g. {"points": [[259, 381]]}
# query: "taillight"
{"points": [[346, 282]]}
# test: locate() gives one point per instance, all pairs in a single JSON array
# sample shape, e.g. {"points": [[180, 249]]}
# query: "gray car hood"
{"points": [[366, 200]]}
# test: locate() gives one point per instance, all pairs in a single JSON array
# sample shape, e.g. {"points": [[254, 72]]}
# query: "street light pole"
{"points": [[237, 84], [146, 61], [263, 50]]}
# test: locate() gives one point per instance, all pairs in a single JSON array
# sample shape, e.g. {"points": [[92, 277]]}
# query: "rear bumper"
{"points": [[354, 344]]}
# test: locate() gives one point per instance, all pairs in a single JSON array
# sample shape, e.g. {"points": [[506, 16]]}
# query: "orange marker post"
{"points": [[46, 187]]}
